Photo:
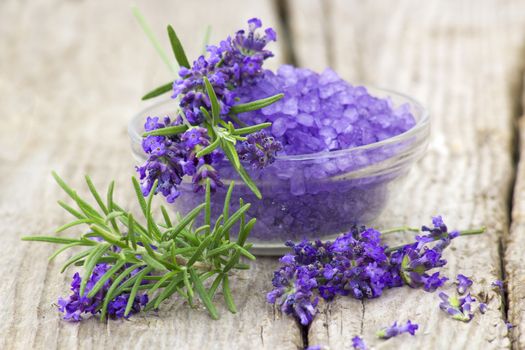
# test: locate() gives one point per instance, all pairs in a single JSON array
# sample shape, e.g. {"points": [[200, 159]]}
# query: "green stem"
{"points": [[400, 229], [470, 232]]}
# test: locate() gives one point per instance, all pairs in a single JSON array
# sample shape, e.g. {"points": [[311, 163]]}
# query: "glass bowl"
{"points": [[310, 196]]}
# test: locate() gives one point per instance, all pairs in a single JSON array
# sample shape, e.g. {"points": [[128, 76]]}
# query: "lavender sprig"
{"points": [[359, 265], [205, 94], [128, 265]]}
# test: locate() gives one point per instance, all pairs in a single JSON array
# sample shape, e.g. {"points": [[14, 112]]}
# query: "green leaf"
{"points": [[161, 281], [243, 174], [109, 196], [152, 225], [153, 262], [177, 48], [207, 200], [65, 247], [255, 105], [166, 217], [167, 131], [231, 263], [220, 249], [110, 293], [215, 109], [216, 282], [95, 194], [245, 253], [91, 261], [140, 196], [198, 252], [131, 231], [100, 283], [203, 294], [70, 210], [187, 284], [227, 200], [173, 232], [166, 293], [236, 216], [51, 239], [251, 129], [210, 148], [134, 290], [113, 215], [75, 258], [107, 236], [207, 116], [245, 232], [158, 91], [231, 153], [228, 298]]}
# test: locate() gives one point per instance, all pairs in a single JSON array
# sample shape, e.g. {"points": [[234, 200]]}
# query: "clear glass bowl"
{"points": [[311, 196]]}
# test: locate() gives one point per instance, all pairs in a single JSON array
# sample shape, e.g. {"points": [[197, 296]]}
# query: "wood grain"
{"points": [[72, 75], [514, 255], [462, 60]]}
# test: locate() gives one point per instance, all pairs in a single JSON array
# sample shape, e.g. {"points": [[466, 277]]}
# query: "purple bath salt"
{"points": [[322, 107], [310, 190]]}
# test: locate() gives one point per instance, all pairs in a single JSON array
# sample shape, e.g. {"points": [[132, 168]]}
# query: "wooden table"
{"points": [[72, 73]]}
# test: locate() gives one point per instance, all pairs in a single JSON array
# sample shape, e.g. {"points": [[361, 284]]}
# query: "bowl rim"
{"points": [[421, 125]]}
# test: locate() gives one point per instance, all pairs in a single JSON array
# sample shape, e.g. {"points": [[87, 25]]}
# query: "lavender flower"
{"points": [[498, 284], [414, 260], [395, 330], [482, 308], [235, 62], [294, 291], [76, 305], [459, 308], [358, 343], [259, 149], [463, 283]]}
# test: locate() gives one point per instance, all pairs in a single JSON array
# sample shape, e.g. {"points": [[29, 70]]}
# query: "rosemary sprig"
{"points": [[172, 256]]}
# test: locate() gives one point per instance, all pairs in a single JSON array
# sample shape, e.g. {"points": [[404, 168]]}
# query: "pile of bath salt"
{"points": [[322, 112]]}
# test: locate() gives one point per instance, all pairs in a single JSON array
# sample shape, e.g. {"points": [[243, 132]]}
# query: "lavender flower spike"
{"points": [[396, 330]]}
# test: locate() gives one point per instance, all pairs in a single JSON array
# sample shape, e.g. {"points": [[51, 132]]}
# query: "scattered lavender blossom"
{"points": [[76, 305], [459, 308], [463, 283], [482, 308], [395, 330], [498, 284], [356, 264], [358, 343]]}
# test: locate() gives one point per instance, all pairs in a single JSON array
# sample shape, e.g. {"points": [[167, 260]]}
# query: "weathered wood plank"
{"points": [[72, 75], [309, 33], [514, 257], [461, 59]]}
